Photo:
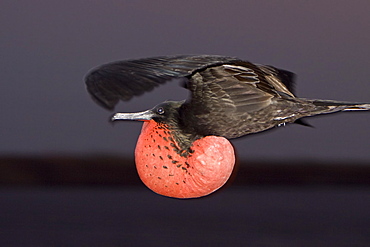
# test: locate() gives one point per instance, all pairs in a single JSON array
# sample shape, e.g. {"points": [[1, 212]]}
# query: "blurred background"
{"points": [[67, 176]]}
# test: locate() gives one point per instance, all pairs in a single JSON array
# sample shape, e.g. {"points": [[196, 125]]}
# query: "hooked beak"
{"points": [[137, 116]]}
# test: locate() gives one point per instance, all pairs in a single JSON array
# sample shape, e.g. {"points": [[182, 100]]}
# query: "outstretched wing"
{"points": [[224, 90], [122, 80]]}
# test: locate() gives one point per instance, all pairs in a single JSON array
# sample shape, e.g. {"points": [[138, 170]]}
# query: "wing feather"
{"points": [[227, 93], [122, 80]]}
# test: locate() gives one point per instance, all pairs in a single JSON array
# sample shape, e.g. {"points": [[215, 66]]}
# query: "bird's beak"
{"points": [[137, 116]]}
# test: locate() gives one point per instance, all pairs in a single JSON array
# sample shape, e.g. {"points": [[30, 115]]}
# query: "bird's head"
{"points": [[166, 113]]}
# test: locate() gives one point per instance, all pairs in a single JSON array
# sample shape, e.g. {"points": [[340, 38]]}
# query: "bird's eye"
{"points": [[160, 110]]}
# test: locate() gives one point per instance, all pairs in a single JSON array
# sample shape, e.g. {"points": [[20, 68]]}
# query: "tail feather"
{"points": [[303, 108], [331, 106]]}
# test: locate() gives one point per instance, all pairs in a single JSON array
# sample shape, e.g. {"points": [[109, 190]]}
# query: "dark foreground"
{"points": [[88, 202], [237, 216]]}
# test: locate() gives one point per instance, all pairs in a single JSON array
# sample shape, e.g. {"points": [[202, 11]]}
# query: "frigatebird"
{"points": [[183, 150]]}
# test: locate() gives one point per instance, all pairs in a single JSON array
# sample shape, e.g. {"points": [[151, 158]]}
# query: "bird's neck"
{"points": [[183, 135], [168, 136], [189, 122]]}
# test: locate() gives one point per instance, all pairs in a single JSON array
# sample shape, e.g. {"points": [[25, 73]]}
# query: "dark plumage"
{"points": [[229, 97]]}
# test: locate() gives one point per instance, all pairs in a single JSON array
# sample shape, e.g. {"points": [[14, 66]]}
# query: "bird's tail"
{"points": [[331, 106]]}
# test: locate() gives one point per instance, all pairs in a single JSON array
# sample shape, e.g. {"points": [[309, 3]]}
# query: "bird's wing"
{"points": [[227, 93], [122, 80], [238, 87]]}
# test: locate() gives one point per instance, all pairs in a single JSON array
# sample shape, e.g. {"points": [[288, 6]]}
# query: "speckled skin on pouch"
{"points": [[165, 171]]}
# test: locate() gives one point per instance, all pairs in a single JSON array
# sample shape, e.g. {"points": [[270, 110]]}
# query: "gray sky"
{"points": [[47, 47]]}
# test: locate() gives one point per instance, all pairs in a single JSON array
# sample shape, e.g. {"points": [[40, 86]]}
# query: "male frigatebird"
{"points": [[183, 150]]}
